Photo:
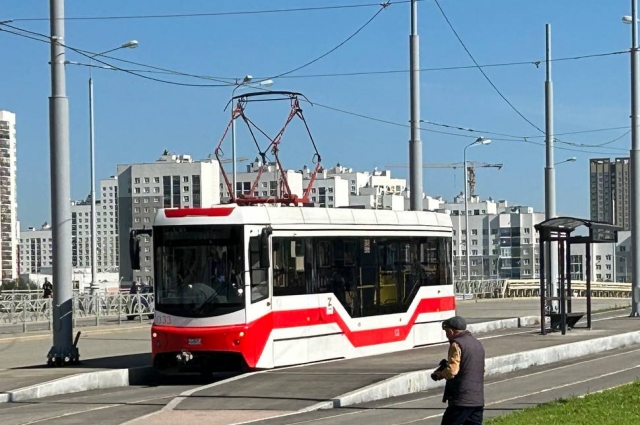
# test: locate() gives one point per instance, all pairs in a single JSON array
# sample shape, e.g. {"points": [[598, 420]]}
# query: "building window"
{"points": [[474, 252], [474, 242], [136, 180], [136, 190], [156, 179], [186, 199], [195, 185], [146, 190], [474, 232], [146, 179], [527, 230], [185, 188], [156, 190], [185, 179]]}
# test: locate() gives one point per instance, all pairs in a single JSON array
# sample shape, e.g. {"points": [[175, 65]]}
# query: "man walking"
{"points": [[464, 372]]}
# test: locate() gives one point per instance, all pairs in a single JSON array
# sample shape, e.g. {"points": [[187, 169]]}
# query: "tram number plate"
{"points": [[195, 341]]}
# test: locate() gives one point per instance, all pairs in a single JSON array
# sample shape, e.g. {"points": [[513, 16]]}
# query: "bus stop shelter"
{"points": [[560, 230]]}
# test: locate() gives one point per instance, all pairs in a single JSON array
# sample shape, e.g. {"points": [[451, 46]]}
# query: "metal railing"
{"points": [[30, 311], [521, 288], [488, 288]]}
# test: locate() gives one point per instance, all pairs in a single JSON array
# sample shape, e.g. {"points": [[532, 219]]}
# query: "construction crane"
{"points": [[471, 166]]}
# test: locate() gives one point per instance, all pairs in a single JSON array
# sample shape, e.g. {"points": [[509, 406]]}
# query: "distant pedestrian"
{"points": [[464, 372], [47, 289]]}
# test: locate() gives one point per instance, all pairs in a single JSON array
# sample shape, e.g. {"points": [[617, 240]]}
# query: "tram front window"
{"points": [[199, 270]]}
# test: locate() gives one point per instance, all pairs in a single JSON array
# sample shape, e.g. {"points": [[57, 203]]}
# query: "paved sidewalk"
{"points": [[23, 358]]}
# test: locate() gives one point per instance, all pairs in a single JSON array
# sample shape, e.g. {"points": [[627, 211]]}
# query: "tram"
{"points": [[258, 287]]}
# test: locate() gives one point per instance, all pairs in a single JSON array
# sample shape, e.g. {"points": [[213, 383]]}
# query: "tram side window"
{"points": [[259, 277], [289, 266], [368, 276]]}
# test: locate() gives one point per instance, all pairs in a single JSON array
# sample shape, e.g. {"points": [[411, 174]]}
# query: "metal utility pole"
{"points": [[635, 162], [94, 260], [551, 250], [415, 144], [63, 349]]}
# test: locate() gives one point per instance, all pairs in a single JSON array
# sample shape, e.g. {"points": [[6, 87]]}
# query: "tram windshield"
{"points": [[199, 270]]}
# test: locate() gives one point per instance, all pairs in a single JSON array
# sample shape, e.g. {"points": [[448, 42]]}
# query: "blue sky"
{"points": [[137, 119]]}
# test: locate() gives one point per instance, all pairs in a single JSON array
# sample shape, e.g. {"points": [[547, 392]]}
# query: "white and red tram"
{"points": [[265, 286]]}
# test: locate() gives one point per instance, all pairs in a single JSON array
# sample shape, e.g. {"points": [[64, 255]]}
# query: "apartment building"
{"points": [[609, 188], [35, 250], [9, 232], [171, 181]]}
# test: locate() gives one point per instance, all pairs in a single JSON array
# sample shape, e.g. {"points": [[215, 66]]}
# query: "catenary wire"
{"points": [[511, 139], [482, 71], [383, 6], [213, 14]]}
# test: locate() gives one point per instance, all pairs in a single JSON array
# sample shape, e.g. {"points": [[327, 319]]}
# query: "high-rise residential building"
{"points": [[269, 184], [36, 250], [107, 242], [8, 200], [609, 184], [172, 181], [501, 240]]}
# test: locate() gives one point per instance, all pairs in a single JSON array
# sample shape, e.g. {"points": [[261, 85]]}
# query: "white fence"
{"points": [[29, 310], [508, 288]]}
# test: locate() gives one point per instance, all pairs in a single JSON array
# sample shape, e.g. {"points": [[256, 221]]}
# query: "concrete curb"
{"points": [[80, 382], [494, 325], [420, 380]]}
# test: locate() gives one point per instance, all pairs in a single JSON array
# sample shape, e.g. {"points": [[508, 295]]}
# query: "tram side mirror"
{"points": [[134, 246], [265, 262]]}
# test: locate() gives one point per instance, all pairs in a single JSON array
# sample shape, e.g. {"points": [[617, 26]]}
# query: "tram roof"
{"points": [[274, 215]]}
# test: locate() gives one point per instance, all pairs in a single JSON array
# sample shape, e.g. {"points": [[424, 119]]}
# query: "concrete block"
{"points": [[78, 383]]}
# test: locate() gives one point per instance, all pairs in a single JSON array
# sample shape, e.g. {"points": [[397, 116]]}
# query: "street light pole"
{"points": [[415, 144], [245, 80], [95, 285], [551, 250], [635, 169], [479, 141], [63, 350], [635, 164]]}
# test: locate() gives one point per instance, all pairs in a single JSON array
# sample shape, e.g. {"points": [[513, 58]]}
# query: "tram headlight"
{"points": [[241, 334]]}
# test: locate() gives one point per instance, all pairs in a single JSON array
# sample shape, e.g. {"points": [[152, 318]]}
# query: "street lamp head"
{"points": [[266, 83], [247, 79], [482, 141], [628, 19], [572, 159], [130, 44]]}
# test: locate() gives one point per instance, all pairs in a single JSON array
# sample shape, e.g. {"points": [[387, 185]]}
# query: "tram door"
{"points": [[259, 296]]}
